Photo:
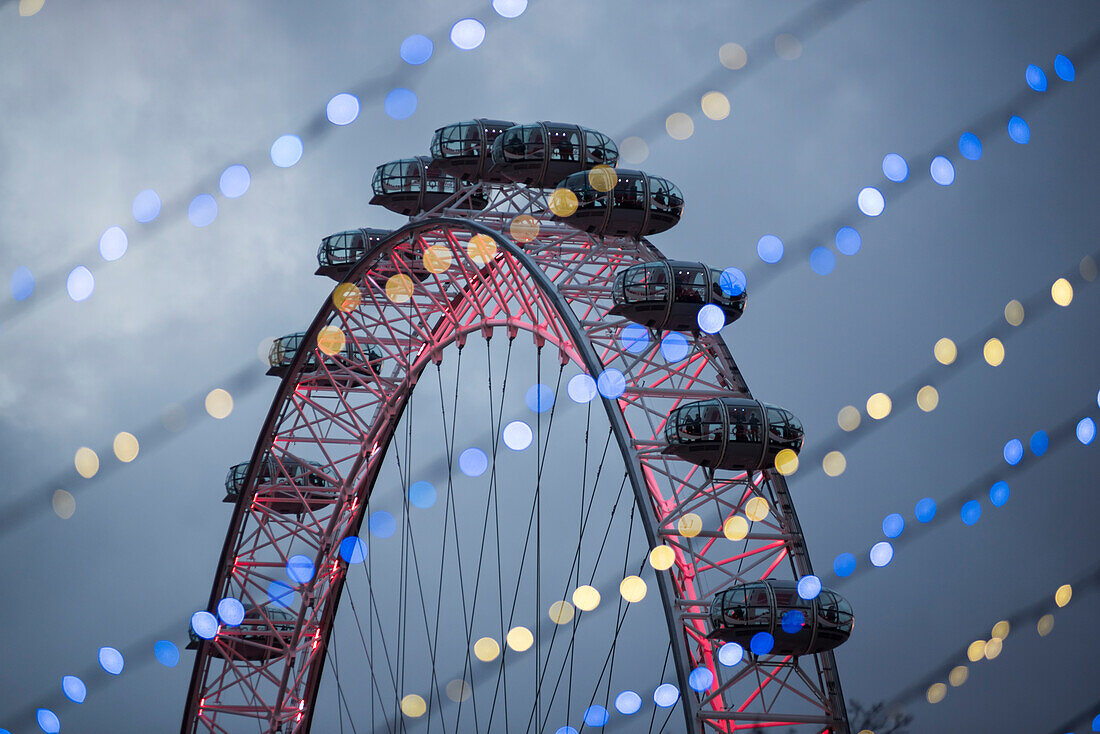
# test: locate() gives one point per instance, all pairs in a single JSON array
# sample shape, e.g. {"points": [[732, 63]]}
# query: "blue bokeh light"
{"points": [[844, 564], [517, 436], [48, 721], [732, 281], [848, 241], [510, 8], [881, 554], [809, 586], [770, 248], [1036, 78], [202, 210], [822, 260], [1086, 430], [895, 168], [280, 594], [286, 151], [611, 383], [166, 653], [231, 611], [111, 660], [674, 347], [80, 283], [353, 549], [710, 319], [942, 171], [113, 243], [234, 181], [473, 462], [74, 689], [382, 524], [1013, 451], [566, 730], [400, 103], [1018, 130], [925, 509], [22, 283], [423, 495], [971, 512], [731, 654], [539, 398], [1039, 443], [762, 643], [299, 569], [634, 338], [146, 206], [792, 621], [596, 715], [870, 201], [581, 388], [1096, 723], [970, 146], [893, 525], [628, 702], [342, 109], [700, 679], [1063, 67], [416, 49], [467, 34], [205, 625], [666, 695], [998, 494]]}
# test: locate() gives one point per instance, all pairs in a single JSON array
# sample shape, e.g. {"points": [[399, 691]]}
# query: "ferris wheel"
{"points": [[439, 529]]}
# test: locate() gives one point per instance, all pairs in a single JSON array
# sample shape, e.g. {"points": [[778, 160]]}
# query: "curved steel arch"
{"points": [[573, 334]]}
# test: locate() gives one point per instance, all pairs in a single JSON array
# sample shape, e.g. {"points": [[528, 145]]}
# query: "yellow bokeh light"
{"points": [[736, 528], [662, 557], [633, 589], [399, 288], [879, 406], [1000, 630], [603, 178], [331, 340], [976, 651], [520, 639], [458, 690], [481, 249], [679, 126], [561, 612], [28, 8], [63, 504], [524, 228], [126, 447], [993, 648], [563, 202], [86, 461], [689, 525], [218, 403], [786, 462], [848, 418], [1087, 268], [936, 692], [1014, 313], [715, 105], [1063, 595], [994, 352], [1045, 625], [756, 509], [633, 150], [586, 598], [486, 649], [834, 463], [1062, 292], [958, 675], [733, 56], [346, 297], [928, 398], [413, 706], [945, 351], [437, 259]]}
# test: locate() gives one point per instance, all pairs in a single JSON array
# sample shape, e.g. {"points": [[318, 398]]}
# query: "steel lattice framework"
{"points": [[557, 286]]}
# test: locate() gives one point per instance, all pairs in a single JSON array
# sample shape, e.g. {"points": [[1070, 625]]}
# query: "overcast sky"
{"points": [[103, 100]]}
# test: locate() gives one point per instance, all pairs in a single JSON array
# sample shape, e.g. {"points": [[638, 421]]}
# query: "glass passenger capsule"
{"points": [[667, 294], [798, 626], [540, 154], [411, 185], [339, 252], [464, 149], [289, 487], [264, 633], [732, 433], [363, 361], [638, 206]]}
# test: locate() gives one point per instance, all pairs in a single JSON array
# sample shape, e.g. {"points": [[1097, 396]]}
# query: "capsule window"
{"points": [[691, 285], [532, 142], [564, 145], [744, 424], [712, 425], [630, 193]]}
